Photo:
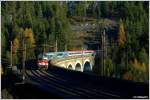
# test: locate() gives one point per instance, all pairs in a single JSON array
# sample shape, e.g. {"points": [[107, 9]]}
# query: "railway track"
{"points": [[64, 87], [72, 84]]}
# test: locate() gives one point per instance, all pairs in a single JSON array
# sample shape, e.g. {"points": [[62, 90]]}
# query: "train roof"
{"points": [[52, 53], [81, 51]]}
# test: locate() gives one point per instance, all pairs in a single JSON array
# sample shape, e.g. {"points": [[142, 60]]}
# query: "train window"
{"points": [[44, 55], [50, 56], [45, 58], [88, 52], [78, 53], [59, 54]]}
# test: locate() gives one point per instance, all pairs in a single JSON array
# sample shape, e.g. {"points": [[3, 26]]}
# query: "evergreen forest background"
{"points": [[42, 23]]}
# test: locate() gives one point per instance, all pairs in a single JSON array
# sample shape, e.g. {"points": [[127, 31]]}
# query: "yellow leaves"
{"points": [[127, 76], [138, 65], [15, 45], [30, 36], [122, 37]]}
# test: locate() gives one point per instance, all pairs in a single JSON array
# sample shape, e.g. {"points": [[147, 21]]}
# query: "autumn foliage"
{"points": [[122, 37], [138, 65], [128, 76], [15, 45], [30, 37]]}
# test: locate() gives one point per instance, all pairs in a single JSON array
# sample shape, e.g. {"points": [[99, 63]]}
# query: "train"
{"points": [[45, 58]]}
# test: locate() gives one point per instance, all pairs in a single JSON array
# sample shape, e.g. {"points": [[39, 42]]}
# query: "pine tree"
{"points": [[104, 8], [98, 10], [143, 56], [30, 42], [122, 36], [30, 36], [15, 45], [109, 68], [15, 48], [3, 43]]}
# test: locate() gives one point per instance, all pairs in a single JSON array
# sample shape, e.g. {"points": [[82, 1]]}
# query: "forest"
{"points": [[40, 24]]}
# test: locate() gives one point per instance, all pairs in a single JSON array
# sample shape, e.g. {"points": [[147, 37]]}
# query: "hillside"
{"points": [[119, 29]]}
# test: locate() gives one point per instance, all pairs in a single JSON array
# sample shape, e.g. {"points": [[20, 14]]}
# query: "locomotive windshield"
{"points": [[42, 57]]}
